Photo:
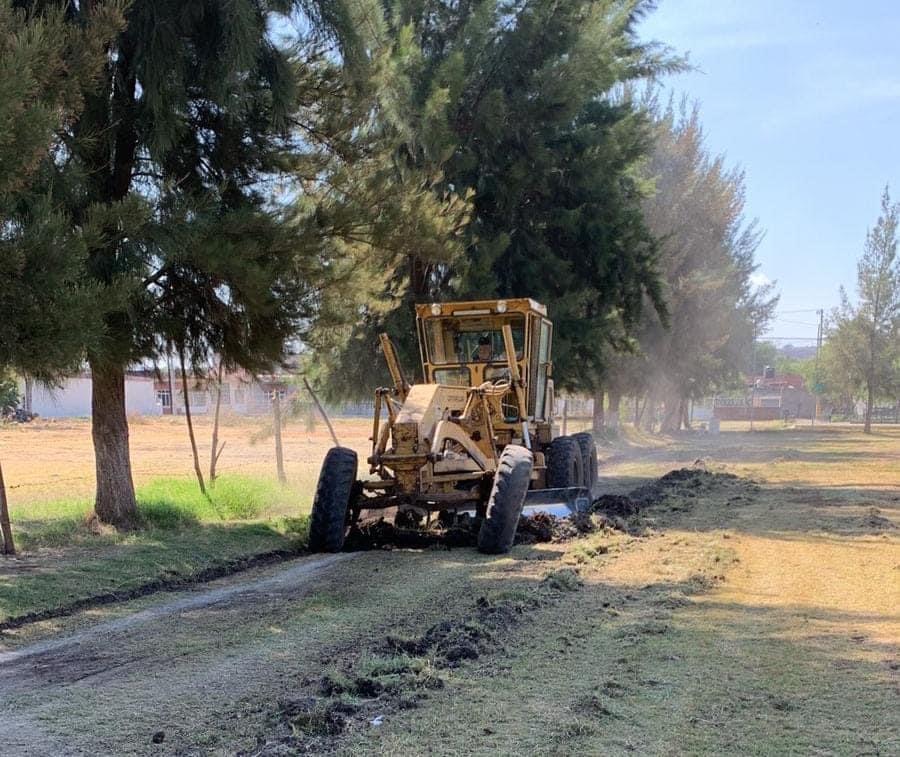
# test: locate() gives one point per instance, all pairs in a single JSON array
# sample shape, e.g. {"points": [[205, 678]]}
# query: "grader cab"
{"points": [[475, 439]]}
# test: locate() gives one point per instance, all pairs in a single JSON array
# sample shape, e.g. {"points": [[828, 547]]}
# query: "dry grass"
{"points": [[762, 625], [758, 621], [48, 460]]}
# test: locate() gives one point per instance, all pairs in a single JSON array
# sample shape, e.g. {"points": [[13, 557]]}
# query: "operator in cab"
{"points": [[485, 352]]}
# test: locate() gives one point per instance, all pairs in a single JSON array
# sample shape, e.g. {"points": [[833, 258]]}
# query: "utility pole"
{"points": [[816, 388]]}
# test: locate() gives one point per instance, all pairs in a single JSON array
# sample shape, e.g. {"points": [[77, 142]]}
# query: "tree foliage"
{"points": [[864, 339], [44, 65], [199, 124], [520, 109], [706, 259]]}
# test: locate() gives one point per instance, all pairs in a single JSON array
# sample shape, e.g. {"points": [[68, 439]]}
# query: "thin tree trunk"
{"points": [[321, 412], [190, 423], [9, 546], [598, 422], [279, 452], [29, 394], [215, 450], [870, 404], [115, 502]]}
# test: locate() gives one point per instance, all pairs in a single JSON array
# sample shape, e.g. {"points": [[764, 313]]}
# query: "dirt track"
{"points": [[747, 619]]}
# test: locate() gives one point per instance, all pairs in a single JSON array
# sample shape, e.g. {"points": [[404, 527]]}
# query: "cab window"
{"points": [[456, 340], [452, 376]]}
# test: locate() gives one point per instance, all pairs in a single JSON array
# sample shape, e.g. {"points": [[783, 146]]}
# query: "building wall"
{"points": [[73, 398]]}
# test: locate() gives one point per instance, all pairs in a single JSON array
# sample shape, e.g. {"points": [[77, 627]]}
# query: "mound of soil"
{"points": [[608, 511], [541, 527], [689, 482]]}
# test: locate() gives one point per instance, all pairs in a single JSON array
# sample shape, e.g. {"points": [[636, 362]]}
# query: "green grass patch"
{"points": [[164, 503]]}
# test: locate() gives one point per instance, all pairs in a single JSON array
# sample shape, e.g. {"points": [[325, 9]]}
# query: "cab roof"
{"points": [[480, 307]]}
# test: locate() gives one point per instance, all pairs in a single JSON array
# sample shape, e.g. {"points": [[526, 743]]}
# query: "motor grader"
{"points": [[475, 439]]}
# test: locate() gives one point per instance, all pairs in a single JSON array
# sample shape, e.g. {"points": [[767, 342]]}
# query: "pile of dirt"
{"points": [[682, 482], [400, 673], [537, 528], [620, 512], [381, 534]]}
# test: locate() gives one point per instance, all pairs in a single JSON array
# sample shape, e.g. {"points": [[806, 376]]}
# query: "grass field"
{"points": [[755, 615], [65, 557]]}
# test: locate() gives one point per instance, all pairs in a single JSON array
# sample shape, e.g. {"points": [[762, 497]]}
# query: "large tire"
{"points": [[564, 463], [511, 481], [331, 506], [588, 458]]}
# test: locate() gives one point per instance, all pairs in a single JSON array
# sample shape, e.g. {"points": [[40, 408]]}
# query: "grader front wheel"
{"points": [[331, 506], [498, 529]]}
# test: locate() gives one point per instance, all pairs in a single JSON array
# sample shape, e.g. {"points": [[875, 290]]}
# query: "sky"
{"points": [[804, 95]]}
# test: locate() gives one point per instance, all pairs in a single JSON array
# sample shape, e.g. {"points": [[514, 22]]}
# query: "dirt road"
{"points": [[737, 616]]}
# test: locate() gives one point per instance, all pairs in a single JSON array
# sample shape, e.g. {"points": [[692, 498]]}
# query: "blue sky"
{"points": [[804, 95]]}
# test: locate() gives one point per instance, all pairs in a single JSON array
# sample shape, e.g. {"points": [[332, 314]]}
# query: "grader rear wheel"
{"points": [[511, 481], [564, 463], [331, 506], [588, 458]]}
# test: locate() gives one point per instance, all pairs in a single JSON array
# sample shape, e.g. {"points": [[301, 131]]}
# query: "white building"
{"points": [[72, 398]]}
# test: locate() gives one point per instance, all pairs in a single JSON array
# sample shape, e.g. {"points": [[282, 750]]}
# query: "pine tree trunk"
{"points": [[599, 421], [686, 414], [29, 394], [612, 412], [671, 421], [115, 502], [9, 546]]}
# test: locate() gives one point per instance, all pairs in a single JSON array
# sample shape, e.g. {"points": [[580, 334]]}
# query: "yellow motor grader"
{"points": [[475, 437]]}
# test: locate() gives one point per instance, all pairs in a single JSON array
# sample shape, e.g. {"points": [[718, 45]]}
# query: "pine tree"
{"points": [[520, 110], [172, 166], [866, 335], [43, 64], [707, 259]]}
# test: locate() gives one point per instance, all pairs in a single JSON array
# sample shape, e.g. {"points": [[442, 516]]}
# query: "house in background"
{"points": [[768, 397], [242, 394]]}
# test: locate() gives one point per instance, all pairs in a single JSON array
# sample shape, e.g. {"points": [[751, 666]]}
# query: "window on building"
{"points": [[164, 398]]}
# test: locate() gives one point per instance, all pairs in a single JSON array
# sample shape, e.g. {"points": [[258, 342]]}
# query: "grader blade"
{"points": [[561, 502]]}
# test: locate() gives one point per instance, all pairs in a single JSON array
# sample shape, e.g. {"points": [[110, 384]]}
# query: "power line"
{"points": [[794, 323], [789, 338]]}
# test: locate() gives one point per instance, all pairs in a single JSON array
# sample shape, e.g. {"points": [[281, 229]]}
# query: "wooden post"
{"points": [[215, 449], [325, 415], [279, 451], [9, 546]]}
